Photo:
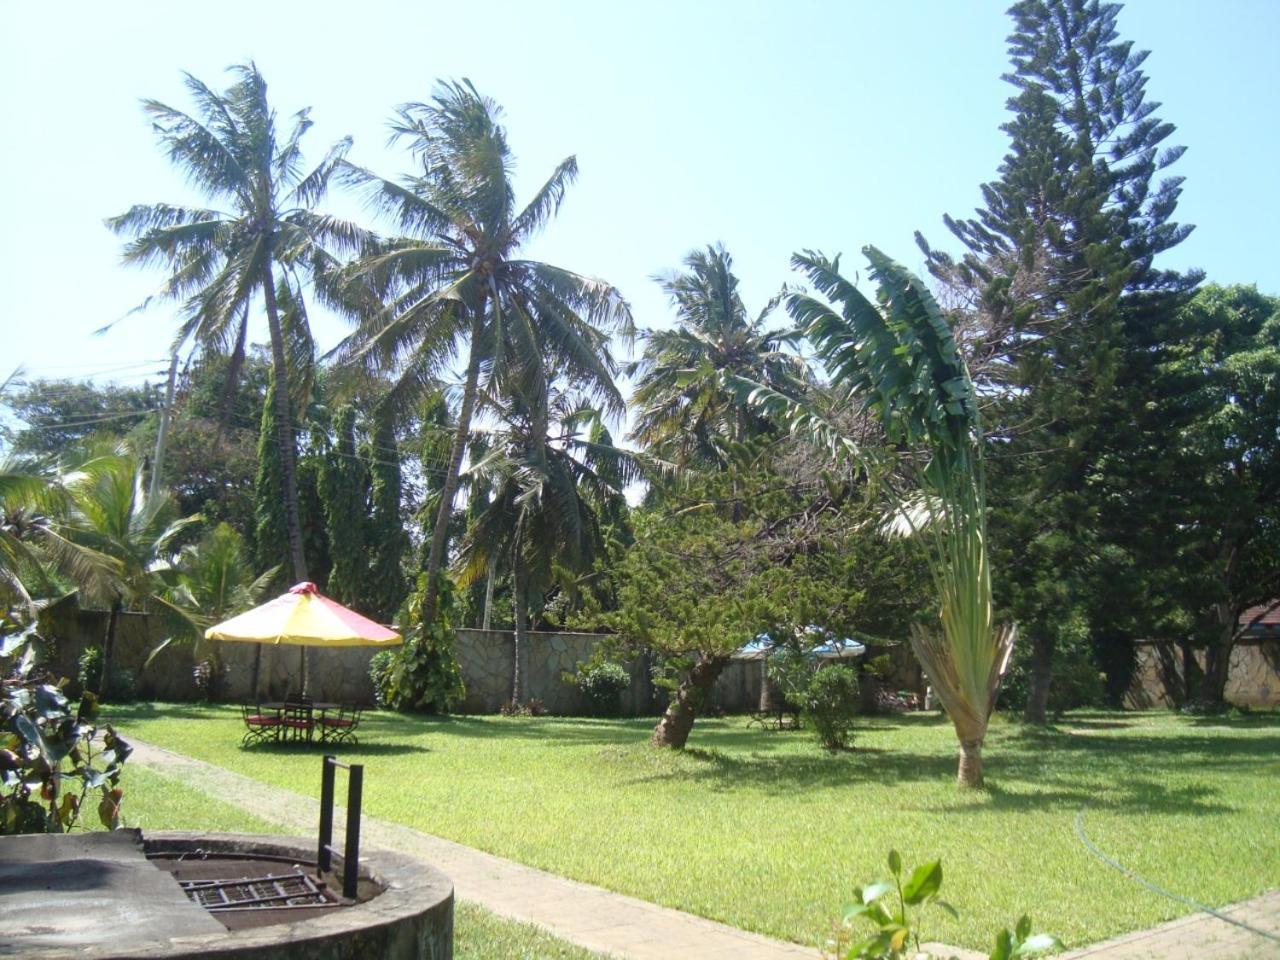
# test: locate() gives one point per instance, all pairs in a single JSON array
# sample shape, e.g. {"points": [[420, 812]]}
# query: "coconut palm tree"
{"points": [[34, 551], [112, 514], [209, 581], [898, 361], [454, 281], [548, 494], [685, 413], [262, 239]]}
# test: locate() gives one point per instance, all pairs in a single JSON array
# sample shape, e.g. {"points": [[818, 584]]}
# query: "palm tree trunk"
{"points": [[519, 588], [689, 699], [970, 774], [435, 560], [284, 432], [488, 594], [108, 648], [257, 672]]}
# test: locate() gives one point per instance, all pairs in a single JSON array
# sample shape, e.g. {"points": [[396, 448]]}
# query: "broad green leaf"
{"points": [[875, 892], [1004, 946], [1022, 928], [924, 883], [895, 862], [854, 910], [1037, 944]]}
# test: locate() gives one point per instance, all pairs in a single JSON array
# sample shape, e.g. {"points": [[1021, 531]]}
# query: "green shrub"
{"points": [[791, 672], [124, 682], [603, 684], [53, 764], [424, 675], [830, 703], [380, 665]]}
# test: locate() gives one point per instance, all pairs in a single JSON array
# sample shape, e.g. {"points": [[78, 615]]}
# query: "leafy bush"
{"points": [[603, 684], [210, 678], [50, 762], [380, 666], [124, 682], [423, 676], [791, 672], [830, 703], [530, 708], [896, 934]]}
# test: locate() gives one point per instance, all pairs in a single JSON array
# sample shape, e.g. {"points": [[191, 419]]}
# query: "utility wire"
{"points": [[1154, 888]]}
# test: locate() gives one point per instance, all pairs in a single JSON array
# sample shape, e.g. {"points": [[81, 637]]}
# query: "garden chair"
{"points": [[298, 721], [342, 728], [260, 726]]}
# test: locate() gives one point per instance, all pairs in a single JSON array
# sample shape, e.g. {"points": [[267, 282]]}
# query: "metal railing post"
{"points": [[351, 854], [323, 858]]}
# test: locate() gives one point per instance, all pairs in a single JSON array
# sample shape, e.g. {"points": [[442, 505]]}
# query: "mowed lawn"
{"points": [[768, 832]]}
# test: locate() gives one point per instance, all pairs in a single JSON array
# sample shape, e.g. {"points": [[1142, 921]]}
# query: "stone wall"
{"points": [[488, 665], [342, 675], [1253, 677]]}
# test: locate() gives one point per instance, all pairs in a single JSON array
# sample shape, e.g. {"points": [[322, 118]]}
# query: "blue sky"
{"points": [[769, 126]]}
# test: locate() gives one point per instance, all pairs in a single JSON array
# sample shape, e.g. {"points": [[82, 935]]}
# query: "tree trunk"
{"points": [[157, 464], [108, 648], [257, 672], [689, 698], [439, 536], [490, 576], [284, 432], [970, 774], [1037, 708], [520, 601], [1217, 660]]}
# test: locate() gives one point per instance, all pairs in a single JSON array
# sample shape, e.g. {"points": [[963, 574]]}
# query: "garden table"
{"points": [[301, 717]]}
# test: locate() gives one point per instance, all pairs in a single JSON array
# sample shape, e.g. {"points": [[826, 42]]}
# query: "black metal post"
{"points": [[351, 854], [323, 857]]}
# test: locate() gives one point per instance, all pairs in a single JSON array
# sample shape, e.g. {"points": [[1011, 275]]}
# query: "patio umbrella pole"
{"points": [[305, 682]]}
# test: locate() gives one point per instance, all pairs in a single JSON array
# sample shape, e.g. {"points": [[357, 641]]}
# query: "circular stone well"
{"points": [[404, 910]]}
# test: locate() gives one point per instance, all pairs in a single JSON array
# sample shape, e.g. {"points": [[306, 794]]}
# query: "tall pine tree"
{"points": [[1059, 264]]}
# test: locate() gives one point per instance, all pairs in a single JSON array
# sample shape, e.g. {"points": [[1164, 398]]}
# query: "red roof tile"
{"points": [[1270, 616]]}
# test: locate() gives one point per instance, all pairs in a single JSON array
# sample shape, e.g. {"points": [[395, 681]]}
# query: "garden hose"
{"points": [[1092, 848]]}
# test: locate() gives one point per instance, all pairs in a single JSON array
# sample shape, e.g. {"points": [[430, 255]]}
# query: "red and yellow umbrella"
{"points": [[305, 618]]}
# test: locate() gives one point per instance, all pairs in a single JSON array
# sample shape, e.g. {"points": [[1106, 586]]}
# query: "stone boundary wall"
{"points": [[487, 658], [1253, 676], [342, 675]]}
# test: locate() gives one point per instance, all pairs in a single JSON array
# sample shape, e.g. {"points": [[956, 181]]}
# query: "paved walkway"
{"points": [[625, 927]]}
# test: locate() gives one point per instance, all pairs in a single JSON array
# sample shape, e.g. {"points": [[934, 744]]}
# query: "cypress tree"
{"points": [[388, 541], [270, 536], [1060, 264], [344, 494]]}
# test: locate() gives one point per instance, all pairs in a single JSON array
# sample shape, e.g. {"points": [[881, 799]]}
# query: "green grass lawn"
{"points": [[768, 832], [157, 802]]}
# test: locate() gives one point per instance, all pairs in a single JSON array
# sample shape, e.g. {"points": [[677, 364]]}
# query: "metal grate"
{"points": [[290, 890]]}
